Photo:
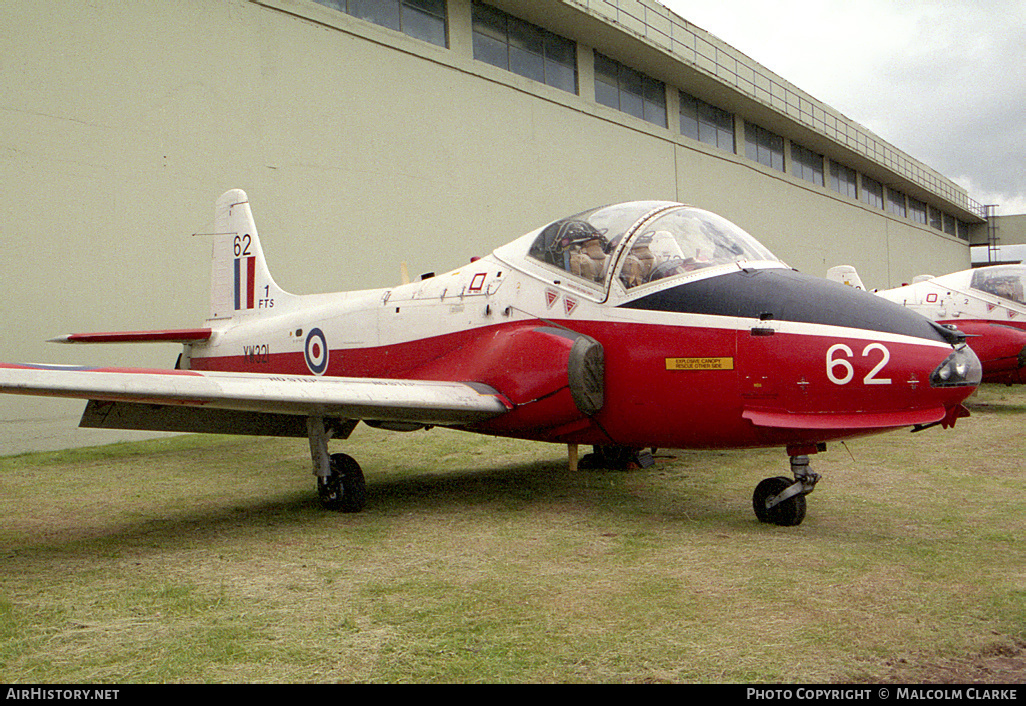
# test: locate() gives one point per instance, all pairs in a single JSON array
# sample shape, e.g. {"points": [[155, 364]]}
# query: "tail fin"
{"points": [[240, 284], [846, 274]]}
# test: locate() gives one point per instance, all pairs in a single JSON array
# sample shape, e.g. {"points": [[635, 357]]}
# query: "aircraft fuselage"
{"points": [[743, 356]]}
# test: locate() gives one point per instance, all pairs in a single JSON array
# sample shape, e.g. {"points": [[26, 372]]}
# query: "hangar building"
{"points": [[1002, 241], [374, 132]]}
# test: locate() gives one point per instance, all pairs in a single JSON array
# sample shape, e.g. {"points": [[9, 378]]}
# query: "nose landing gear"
{"points": [[780, 501]]}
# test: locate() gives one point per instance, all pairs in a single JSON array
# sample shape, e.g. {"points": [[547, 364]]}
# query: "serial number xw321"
{"points": [[260, 353]]}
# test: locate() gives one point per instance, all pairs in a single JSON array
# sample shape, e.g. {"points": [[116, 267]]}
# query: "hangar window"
{"points": [[917, 210], [896, 203], [950, 225], [806, 164], [629, 91], [764, 147], [706, 123], [936, 218], [421, 19], [843, 180], [963, 230], [872, 192], [524, 49]]}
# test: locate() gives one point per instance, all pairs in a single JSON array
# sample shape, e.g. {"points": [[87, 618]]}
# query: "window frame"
{"points": [[807, 164], [517, 35], [873, 193], [764, 146], [849, 185], [649, 93], [898, 208], [403, 9], [712, 125], [918, 211]]}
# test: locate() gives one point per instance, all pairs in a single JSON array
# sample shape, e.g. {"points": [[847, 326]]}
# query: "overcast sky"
{"points": [[942, 80]]}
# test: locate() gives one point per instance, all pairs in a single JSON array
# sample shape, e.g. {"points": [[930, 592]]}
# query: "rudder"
{"points": [[240, 283]]}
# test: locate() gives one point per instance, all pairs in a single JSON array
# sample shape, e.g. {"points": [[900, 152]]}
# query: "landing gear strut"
{"points": [[340, 484], [780, 501]]}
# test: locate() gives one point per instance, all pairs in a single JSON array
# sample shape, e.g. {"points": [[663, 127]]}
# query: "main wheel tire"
{"points": [[612, 458], [789, 513], [344, 490]]}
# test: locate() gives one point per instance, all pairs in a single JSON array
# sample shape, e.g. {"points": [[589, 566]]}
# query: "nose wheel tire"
{"points": [[788, 513], [344, 489]]}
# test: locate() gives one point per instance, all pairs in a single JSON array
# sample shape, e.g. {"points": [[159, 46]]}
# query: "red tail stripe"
{"points": [[250, 281]]}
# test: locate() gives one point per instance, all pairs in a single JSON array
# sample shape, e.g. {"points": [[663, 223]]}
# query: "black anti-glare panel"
{"points": [[786, 295]]}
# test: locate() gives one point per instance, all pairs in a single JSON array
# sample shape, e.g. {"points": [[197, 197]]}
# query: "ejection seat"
{"points": [[637, 266], [588, 260]]}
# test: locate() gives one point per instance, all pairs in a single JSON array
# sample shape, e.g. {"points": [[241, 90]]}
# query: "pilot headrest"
{"points": [[576, 233]]}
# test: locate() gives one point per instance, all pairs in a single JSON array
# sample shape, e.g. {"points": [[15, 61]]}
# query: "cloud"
{"points": [[944, 81]]}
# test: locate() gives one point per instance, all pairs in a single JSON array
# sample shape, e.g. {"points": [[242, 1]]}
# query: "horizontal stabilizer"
{"points": [[186, 335]]}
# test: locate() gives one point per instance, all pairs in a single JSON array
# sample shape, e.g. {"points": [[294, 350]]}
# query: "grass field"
{"points": [[208, 559]]}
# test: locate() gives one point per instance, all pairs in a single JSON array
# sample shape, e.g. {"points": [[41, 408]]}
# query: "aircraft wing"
{"points": [[404, 401]]}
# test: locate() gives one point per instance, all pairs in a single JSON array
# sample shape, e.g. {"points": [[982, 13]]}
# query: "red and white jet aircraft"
{"points": [[626, 327], [988, 304]]}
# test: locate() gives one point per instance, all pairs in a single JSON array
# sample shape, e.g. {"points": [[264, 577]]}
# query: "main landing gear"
{"points": [[781, 501], [340, 484], [617, 458], [343, 489]]}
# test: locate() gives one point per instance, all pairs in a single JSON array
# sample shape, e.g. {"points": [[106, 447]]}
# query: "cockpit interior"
{"points": [[1005, 281]]}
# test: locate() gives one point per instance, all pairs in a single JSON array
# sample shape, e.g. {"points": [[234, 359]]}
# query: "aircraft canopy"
{"points": [[1005, 281], [643, 242]]}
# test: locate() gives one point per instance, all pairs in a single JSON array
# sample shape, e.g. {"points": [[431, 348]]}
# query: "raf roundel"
{"points": [[316, 352]]}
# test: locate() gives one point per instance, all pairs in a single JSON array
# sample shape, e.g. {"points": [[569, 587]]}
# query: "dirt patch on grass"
{"points": [[999, 664]]}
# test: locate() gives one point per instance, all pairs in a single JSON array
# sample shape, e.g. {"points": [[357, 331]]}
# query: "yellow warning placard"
{"points": [[699, 363]]}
